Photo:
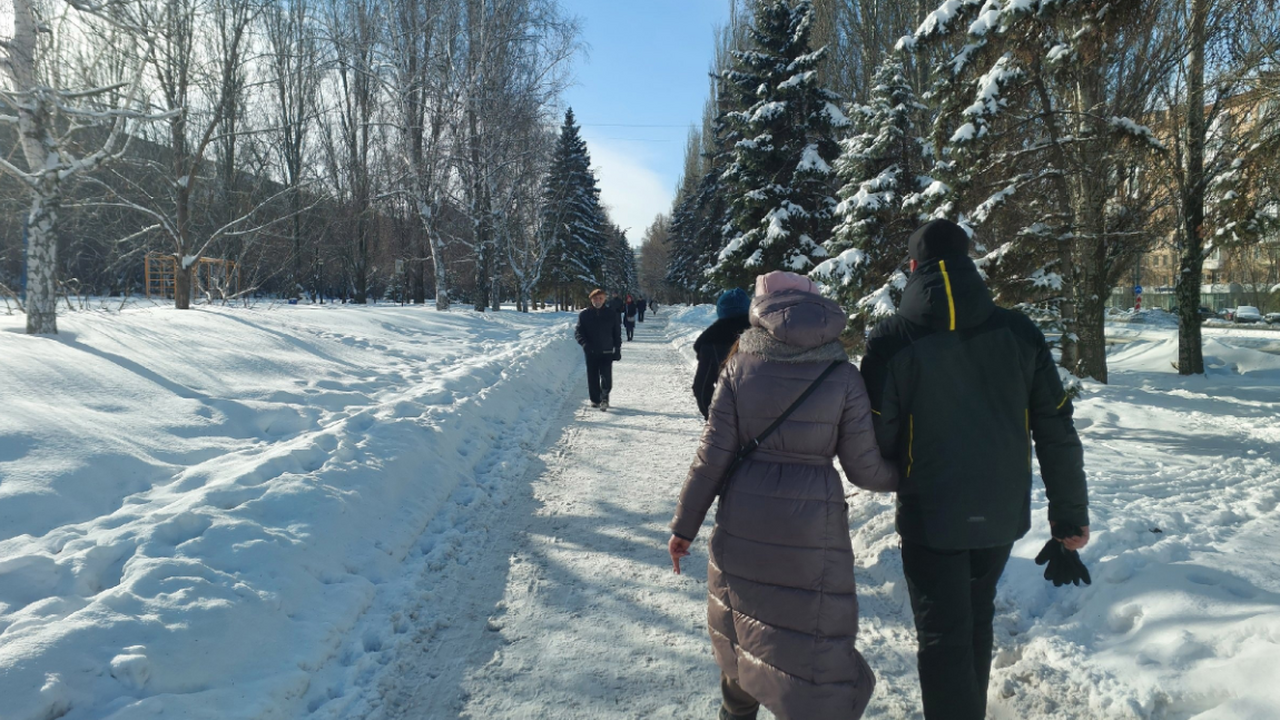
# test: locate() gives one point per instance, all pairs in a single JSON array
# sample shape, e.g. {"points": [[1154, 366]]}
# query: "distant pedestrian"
{"points": [[653, 306], [640, 306], [629, 311], [600, 336], [781, 607], [713, 345], [618, 305]]}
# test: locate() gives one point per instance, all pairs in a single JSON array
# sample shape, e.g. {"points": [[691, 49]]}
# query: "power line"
{"points": [[643, 140], [629, 125]]}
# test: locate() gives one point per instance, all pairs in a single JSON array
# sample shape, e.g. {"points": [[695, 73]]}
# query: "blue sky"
{"points": [[646, 65]]}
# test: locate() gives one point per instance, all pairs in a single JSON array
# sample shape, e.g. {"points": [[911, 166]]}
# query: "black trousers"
{"points": [[641, 314], [599, 376], [953, 594], [631, 330]]}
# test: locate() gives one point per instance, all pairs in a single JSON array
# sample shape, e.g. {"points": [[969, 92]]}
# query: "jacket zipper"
{"points": [[911, 439]]}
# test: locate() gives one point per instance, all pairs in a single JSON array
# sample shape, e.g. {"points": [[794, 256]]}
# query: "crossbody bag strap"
{"points": [[747, 449]]}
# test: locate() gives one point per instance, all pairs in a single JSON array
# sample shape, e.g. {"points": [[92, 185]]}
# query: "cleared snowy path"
{"points": [[591, 622]]}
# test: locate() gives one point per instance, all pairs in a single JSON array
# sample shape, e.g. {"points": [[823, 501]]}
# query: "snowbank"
{"points": [[196, 507], [684, 324]]}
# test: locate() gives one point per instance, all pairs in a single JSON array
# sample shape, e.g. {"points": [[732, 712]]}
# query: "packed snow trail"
{"points": [[591, 622], [569, 608]]}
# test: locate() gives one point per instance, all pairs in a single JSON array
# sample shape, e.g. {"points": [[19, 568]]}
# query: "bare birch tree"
{"points": [[49, 117]]}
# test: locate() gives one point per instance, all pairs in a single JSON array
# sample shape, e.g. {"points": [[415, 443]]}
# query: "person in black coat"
{"points": [[653, 306], [629, 310], [960, 389], [713, 345], [618, 305], [599, 334], [640, 307]]}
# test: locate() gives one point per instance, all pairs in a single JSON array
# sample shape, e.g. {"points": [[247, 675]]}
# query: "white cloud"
{"points": [[632, 192]]}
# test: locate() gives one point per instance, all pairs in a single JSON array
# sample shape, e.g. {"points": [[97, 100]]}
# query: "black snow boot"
{"points": [[726, 715]]}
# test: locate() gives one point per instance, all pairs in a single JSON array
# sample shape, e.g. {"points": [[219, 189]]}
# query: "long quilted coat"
{"points": [[782, 608]]}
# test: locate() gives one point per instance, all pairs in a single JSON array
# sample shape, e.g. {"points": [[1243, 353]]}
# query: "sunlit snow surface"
{"points": [[287, 512]]}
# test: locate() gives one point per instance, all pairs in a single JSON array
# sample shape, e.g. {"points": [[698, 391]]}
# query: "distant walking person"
{"points": [[961, 388], [629, 311], [618, 305], [600, 336], [713, 345], [640, 306], [653, 306], [781, 604]]}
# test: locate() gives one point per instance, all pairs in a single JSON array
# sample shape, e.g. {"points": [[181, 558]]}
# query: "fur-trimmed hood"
{"points": [[760, 343], [799, 319]]}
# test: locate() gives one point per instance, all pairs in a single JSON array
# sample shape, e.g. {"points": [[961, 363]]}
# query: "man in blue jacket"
{"points": [[599, 332], [959, 391]]}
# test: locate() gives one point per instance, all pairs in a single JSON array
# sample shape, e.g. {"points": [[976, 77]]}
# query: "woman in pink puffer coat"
{"points": [[782, 606]]}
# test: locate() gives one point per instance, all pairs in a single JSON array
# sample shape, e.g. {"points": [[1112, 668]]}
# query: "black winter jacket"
{"points": [[712, 347], [959, 390], [598, 331]]}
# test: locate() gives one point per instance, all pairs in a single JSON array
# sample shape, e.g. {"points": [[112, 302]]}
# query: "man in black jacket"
{"points": [[600, 335], [960, 389], [713, 345]]}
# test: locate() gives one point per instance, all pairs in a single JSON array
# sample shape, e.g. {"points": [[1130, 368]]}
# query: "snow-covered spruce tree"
{"points": [[572, 220], [881, 168], [779, 184], [1039, 148], [618, 261], [696, 229], [701, 209]]}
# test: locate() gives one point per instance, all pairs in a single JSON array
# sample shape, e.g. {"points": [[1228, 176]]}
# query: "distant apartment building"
{"points": [[1248, 275]]}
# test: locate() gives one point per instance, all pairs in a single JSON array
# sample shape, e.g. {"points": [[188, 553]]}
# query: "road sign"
{"points": [[1137, 290]]}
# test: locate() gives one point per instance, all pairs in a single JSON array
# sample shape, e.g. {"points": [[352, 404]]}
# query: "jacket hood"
{"points": [[724, 331], [946, 294], [798, 318]]}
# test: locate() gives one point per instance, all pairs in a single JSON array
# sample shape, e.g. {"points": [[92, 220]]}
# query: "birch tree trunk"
{"points": [[50, 162]]}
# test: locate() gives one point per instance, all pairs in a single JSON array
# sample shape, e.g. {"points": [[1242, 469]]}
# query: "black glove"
{"points": [[617, 354], [1062, 566]]}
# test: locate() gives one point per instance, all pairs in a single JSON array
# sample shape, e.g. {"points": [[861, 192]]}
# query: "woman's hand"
{"points": [[678, 547]]}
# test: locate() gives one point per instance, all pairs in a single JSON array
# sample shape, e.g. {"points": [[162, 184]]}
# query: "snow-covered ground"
{"points": [[382, 512], [197, 508]]}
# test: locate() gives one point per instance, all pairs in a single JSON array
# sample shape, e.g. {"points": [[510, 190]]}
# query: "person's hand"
{"points": [[1072, 538], [678, 547], [617, 354], [1062, 566], [1060, 557]]}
